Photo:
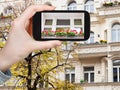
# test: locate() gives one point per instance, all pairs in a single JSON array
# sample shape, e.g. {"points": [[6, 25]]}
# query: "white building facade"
{"points": [[98, 60]]}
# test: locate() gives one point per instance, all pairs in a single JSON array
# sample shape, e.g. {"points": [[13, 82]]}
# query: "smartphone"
{"points": [[61, 25]]}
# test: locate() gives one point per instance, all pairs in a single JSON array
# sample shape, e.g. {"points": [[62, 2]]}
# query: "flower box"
{"points": [[108, 4], [48, 33], [60, 33], [72, 33], [103, 41]]}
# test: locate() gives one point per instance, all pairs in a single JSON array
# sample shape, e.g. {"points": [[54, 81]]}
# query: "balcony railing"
{"points": [[110, 8], [98, 49], [100, 86]]}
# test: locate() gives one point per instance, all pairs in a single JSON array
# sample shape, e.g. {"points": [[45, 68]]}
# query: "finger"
{"points": [[30, 11], [46, 44]]}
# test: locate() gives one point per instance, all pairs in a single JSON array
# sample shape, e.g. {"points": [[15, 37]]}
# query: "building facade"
{"points": [[98, 59]]}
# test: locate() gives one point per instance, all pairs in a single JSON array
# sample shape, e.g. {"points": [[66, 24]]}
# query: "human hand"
{"points": [[20, 43]]}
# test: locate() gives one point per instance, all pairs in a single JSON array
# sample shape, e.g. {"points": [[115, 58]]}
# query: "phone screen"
{"points": [[61, 25]]}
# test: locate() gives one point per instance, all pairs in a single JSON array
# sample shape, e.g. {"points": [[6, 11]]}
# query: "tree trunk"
{"points": [[29, 60]]}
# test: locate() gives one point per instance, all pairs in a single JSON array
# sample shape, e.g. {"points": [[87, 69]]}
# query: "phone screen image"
{"points": [[62, 25]]}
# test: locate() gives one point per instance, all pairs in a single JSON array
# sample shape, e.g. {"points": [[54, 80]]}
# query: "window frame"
{"points": [[89, 6], [54, 25], [115, 33], [72, 6], [70, 73], [89, 74], [118, 71]]}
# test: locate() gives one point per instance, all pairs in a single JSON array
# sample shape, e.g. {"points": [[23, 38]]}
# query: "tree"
{"points": [[39, 69]]}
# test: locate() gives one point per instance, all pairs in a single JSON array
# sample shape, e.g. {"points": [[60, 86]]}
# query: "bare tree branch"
{"points": [[21, 76], [57, 56]]}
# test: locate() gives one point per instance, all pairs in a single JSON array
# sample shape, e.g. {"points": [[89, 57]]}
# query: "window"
{"points": [[77, 22], [116, 33], [48, 29], [72, 5], [48, 22], [70, 74], [62, 25], [89, 6], [89, 74], [91, 39], [63, 22], [116, 70]]}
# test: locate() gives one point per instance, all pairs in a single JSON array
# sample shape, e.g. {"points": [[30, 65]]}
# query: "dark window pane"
{"points": [[86, 77], [88, 68], [91, 77], [115, 77], [48, 22], [119, 74], [72, 78], [77, 22], [116, 62], [47, 28], [67, 77], [63, 22]]}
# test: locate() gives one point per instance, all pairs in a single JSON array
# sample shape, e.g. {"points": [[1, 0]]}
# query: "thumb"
{"points": [[46, 44]]}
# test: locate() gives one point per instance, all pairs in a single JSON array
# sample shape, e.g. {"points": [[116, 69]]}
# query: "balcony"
{"points": [[98, 49], [111, 8], [101, 86]]}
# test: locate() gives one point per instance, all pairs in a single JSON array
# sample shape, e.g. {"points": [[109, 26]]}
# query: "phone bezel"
{"points": [[36, 21]]}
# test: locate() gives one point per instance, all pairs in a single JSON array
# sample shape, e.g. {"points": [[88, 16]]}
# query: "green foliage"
{"points": [[70, 34], [61, 33], [2, 44], [82, 81], [103, 41]]}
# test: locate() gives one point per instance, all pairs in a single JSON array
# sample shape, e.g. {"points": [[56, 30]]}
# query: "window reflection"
{"points": [[89, 6], [116, 70], [72, 5], [116, 33]]}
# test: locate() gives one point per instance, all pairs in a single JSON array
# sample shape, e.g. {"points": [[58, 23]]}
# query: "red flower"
{"points": [[81, 32], [52, 31], [74, 31], [45, 32]]}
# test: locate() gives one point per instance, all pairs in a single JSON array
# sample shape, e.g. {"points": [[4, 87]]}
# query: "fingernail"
{"points": [[59, 43]]}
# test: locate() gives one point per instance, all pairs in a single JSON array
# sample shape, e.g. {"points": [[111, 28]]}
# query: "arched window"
{"points": [[72, 5], [91, 38], [115, 33], [89, 6], [116, 70]]}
